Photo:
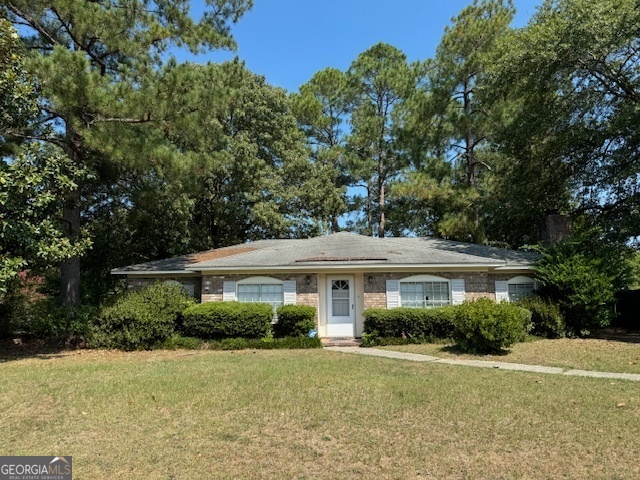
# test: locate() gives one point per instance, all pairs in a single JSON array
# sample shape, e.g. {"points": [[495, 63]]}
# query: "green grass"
{"points": [[312, 414], [583, 354]]}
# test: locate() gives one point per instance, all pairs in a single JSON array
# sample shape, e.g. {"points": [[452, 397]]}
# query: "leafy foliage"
{"points": [[322, 108], [102, 97], [546, 318], [294, 321], [484, 326], [449, 126], [582, 275], [32, 188], [17, 87], [34, 178], [218, 320], [192, 343], [575, 77], [410, 322], [381, 80], [140, 319]]}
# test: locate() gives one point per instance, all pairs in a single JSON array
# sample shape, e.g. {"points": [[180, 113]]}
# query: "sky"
{"points": [[288, 41]]}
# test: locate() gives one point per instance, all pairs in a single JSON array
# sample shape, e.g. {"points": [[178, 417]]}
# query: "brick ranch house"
{"points": [[343, 274]]}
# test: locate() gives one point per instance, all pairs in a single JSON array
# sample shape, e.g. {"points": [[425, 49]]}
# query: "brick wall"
{"points": [[306, 293], [135, 283], [476, 284]]}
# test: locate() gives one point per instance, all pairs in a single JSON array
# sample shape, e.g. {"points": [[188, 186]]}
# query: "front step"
{"points": [[340, 342]]}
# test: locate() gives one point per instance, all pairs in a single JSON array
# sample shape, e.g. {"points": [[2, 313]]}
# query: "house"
{"points": [[343, 274]]}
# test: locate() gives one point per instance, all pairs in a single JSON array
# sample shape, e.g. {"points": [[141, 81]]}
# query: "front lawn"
{"points": [[583, 354], [312, 414]]}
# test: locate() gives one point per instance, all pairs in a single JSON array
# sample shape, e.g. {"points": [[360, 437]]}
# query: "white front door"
{"points": [[341, 306]]}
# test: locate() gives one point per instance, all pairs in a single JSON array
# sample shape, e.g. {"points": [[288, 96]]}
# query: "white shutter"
{"points": [[289, 288], [393, 294], [502, 293], [229, 292], [457, 291]]}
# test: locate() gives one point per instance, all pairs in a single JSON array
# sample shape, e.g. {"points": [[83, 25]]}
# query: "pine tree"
{"points": [[98, 64]]}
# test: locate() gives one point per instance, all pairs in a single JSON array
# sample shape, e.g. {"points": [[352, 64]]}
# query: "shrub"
{"points": [[410, 322], [262, 344], [582, 275], [25, 310], [484, 326], [294, 321], [219, 320], [546, 318], [190, 343], [373, 340], [176, 342], [140, 319]]}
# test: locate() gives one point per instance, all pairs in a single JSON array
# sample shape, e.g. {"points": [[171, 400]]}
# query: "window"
{"points": [[424, 291], [340, 298], [261, 290], [519, 287], [189, 289]]}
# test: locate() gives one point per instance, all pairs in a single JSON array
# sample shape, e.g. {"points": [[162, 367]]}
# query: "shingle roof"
{"points": [[181, 263], [340, 249]]}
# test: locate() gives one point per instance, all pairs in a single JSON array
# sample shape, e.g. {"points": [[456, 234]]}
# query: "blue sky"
{"points": [[287, 41]]}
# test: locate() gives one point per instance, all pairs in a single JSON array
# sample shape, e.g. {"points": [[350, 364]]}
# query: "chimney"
{"points": [[553, 228]]}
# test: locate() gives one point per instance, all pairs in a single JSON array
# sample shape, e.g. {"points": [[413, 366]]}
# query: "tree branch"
{"points": [[33, 24], [78, 45]]}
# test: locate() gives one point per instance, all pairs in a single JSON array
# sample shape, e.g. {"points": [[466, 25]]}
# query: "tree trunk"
{"points": [[382, 222], [335, 227], [470, 154], [369, 211], [70, 269]]}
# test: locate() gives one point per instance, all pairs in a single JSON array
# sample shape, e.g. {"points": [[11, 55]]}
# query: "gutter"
{"points": [[116, 271]]}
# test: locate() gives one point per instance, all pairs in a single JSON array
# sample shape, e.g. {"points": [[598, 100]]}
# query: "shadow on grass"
{"points": [[12, 349], [617, 335], [456, 350]]}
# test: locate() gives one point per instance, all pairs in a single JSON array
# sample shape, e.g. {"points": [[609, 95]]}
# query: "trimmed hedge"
{"points": [[140, 319], [418, 323], [546, 318], [190, 343], [219, 320], [484, 326], [294, 321]]}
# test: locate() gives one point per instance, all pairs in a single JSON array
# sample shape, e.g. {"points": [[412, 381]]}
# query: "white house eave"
{"points": [[499, 267], [353, 267], [146, 273], [514, 267]]}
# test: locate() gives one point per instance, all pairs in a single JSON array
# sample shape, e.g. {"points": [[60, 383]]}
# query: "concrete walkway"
{"points": [[414, 357]]}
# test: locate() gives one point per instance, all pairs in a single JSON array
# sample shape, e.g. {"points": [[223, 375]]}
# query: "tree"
{"points": [[34, 177], [245, 176], [98, 63], [381, 79], [451, 119], [582, 275], [575, 73], [322, 107], [249, 173]]}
